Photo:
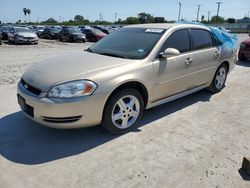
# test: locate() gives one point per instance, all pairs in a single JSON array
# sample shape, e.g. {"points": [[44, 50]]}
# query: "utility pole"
{"points": [[100, 16], [208, 16], [115, 17], [179, 15], [198, 12], [218, 10]]}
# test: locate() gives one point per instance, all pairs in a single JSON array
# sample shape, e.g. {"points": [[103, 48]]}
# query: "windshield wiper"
{"points": [[88, 50], [113, 55]]}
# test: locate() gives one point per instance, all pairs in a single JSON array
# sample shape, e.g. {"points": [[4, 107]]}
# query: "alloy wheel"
{"points": [[220, 78], [125, 112]]}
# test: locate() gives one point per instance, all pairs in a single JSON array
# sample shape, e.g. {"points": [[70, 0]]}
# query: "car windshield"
{"points": [[74, 30], [129, 43], [23, 30], [54, 30], [5, 29]]}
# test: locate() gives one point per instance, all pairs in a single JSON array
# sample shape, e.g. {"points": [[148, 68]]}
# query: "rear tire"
{"points": [[122, 111], [219, 79]]}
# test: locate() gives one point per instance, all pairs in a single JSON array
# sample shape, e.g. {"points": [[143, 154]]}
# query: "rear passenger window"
{"points": [[201, 39], [178, 40]]}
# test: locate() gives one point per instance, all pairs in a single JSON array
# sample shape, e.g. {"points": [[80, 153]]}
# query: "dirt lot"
{"points": [[196, 141]]}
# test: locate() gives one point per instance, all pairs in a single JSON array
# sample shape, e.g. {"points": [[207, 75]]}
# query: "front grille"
{"points": [[30, 88], [29, 38], [61, 119]]}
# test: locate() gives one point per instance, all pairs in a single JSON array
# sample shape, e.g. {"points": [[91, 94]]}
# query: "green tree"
{"points": [[132, 20], [25, 13], [220, 19], [231, 20], [51, 21], [159, 19], [28, 12], [78, 18], [145, 18]]}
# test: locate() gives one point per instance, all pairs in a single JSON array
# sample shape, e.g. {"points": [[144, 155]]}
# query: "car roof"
{"points": [[167, 26], [15, 27]]}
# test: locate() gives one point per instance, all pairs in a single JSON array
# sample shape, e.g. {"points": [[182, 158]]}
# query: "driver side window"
{"points": [[178, 40]]}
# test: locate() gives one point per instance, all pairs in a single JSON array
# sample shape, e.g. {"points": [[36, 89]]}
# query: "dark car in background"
{"points": [[39, 29], [93, 35], [5, 30], [50, 33], [72, 34], [103, 29], [244, 52]]}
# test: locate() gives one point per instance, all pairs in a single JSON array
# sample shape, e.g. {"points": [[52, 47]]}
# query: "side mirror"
{"points": [[169, 52]]}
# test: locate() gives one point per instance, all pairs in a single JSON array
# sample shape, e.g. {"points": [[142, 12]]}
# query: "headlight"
{"points": [[242, 45], [72, 89]]}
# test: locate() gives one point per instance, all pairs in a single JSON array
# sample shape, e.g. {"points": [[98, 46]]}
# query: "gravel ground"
{"points": [[197, 141]]}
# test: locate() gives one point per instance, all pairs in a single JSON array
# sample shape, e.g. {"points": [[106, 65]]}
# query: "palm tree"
{"points": [[25, 13], [28, 12]]}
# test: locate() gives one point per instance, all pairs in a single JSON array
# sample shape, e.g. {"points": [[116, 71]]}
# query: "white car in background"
{"points": [[22, 35]]}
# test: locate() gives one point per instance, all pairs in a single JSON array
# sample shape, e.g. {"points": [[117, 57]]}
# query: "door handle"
{"points": [[188, 60], [217, 53]]}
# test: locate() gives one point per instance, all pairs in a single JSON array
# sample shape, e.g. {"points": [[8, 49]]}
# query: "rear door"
{"points": [[205, 57]]}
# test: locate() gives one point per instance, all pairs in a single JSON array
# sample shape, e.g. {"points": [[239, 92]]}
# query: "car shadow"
{"points": [[24, 141], [243, 63], [13, 44], [243, 174]]}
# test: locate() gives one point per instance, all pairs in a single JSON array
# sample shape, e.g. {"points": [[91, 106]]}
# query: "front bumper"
{"points": [[79, 38], [64, 113], [245, 52], [25, 41]]}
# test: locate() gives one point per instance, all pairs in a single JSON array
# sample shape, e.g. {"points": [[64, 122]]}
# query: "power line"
{"points": [[218, 10], [179, 11], [198, 12]]}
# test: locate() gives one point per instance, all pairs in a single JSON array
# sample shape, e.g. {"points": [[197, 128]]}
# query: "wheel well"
{"points": [[135, 85], [227, 64]]}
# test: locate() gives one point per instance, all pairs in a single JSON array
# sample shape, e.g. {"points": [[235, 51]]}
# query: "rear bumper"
{"points": [[64, 113]]}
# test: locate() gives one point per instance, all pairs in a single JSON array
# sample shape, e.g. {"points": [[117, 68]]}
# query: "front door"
{"points": [[173, 73]]}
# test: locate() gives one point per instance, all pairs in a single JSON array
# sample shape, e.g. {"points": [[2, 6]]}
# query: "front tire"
{"points": [[219, 79], [15, 40], [122, 111]]}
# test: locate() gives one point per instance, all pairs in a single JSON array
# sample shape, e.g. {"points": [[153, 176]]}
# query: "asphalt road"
{"points": [[197, 141]]}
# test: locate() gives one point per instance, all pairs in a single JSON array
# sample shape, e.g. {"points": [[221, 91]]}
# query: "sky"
{"points": [[12, 10]]}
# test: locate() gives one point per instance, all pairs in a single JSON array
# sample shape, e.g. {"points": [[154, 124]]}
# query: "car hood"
{"points": [[26, 34], [66, 68]]}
